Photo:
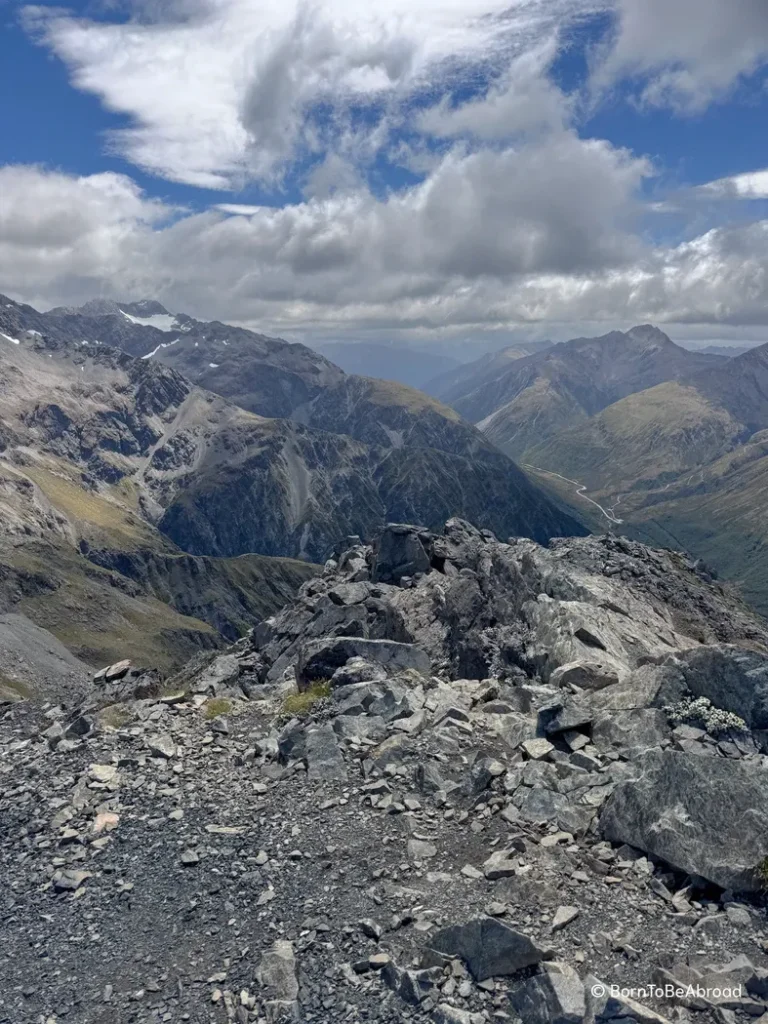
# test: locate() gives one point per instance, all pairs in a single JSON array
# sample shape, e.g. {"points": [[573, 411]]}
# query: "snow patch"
{"points": [[13, 341], [162, 321], [163, 344], [214, 366]]}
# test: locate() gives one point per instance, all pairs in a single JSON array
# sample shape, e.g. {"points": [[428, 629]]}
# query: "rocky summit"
{"points": [[453, 780]]}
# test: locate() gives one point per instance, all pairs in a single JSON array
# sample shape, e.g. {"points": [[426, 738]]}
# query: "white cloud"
{"points": [[234, 90], [492, 242], [687, 53], [62, 234], [750, 185], [523, 100], [518, 221]]}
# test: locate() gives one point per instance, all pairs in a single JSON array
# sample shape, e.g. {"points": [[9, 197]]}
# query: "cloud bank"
{"points": [[503, 214]]}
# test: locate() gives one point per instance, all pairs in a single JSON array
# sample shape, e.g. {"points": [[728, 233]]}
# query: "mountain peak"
{"points": [[648, 336], [144, 308]]}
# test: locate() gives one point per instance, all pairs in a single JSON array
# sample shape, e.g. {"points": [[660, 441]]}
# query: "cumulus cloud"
{"points": [[62, 235], [686, 53], [462, 252], [749, 185], [515, 219]]}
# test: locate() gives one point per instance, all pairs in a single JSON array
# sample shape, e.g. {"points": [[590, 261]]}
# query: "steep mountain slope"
{"points": [[651, 437], [682, 463], [450, 385], [388, 362], [569, 382], [265, 375], [222, 481]]}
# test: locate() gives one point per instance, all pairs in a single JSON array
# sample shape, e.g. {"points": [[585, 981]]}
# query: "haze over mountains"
{"points": [[147, 458]]}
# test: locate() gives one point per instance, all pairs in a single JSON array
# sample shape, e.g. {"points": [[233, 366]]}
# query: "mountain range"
{"points": [[533, 396], [185, 475], [662, 443]]}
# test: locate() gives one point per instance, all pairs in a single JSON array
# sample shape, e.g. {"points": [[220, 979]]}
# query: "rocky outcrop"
{"points": [[487, 608], [704, 816]]}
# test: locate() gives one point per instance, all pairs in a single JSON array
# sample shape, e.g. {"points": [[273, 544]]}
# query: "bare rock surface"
{"points": [[471, 837]]}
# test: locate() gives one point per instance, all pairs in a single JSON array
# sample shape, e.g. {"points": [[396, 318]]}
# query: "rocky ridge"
{"points": [[455, 780]]}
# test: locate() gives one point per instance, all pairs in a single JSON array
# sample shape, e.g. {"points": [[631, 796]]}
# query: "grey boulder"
{"points": [[489, 947], [401, 551], [555, 996], [320, 659], [324, 760], [704, 816]]}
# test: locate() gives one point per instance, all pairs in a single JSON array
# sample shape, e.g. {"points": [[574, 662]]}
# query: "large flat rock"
{"points": [[703, 815]]}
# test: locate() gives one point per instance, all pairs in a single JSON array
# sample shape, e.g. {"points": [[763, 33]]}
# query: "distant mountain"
{"points": [[683, 463], [729, 351], [450, 385], [566, 384], [120, 468], [388, 362], [262, 374]]}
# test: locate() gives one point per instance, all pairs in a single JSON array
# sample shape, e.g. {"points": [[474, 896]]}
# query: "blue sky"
{"points": [[447, 168]]}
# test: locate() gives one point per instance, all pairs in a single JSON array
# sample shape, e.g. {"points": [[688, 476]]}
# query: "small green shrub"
{"points": [[762, 874], [216, 707], [297, 704]]}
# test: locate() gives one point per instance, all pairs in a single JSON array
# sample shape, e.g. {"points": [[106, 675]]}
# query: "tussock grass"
{"points": [[216, 707], [298, 704]]}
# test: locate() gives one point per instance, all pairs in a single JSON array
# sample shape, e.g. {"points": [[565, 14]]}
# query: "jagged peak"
{"points": [[144, 308]]}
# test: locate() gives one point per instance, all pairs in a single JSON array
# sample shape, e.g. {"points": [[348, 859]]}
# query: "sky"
{"points": [[426, 172]]}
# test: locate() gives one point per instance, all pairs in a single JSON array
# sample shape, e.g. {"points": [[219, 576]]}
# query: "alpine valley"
{"points": [[176, 481], [647, 438]]}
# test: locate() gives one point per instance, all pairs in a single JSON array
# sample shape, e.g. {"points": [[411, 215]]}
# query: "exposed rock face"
{"points": [[401, 551], [489, 608], [488, 946], [320, 659], [346, 455], [705, 817]]}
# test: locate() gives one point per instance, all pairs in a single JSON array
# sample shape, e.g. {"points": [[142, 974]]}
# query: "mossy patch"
{"points": [[13, 689], [216, 707], [298, 704], [116, 716]]}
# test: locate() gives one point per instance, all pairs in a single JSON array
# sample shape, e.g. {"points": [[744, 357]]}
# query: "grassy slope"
{"points": [[134, 595], [651, 436]]}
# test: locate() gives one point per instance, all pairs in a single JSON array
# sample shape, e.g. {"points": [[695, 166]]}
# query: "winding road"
{"points": [[581, 490]]}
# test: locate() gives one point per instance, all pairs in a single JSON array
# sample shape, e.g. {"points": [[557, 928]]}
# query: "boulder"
{"points": [[401, 551], [587, 675], [219, 678], [705, 816], [319, 659], [324, 760], [730, 677], [541, 805], [489, 947], [276, 974], [564, 715], [554, 996], [638, 728]]}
